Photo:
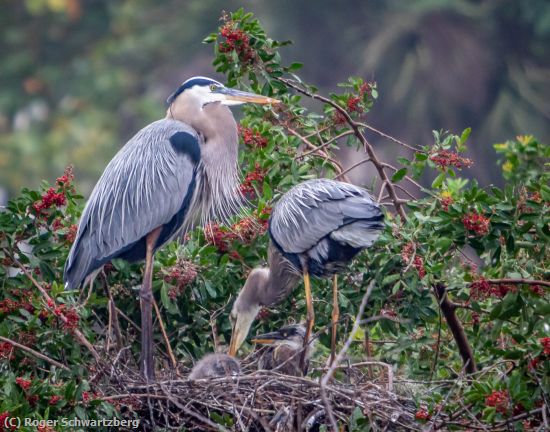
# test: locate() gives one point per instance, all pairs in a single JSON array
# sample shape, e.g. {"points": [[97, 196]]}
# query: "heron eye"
{"points": [[213, 87]]}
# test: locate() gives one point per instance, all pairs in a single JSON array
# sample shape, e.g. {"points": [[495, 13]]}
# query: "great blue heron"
{"points": [[283, 352], [171, 173], [316, 228], [215, 365]]}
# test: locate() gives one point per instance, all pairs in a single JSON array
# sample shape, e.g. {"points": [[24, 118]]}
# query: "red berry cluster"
{"points": [[56, 196], [422, 414], [70, 236], [418, 262], [70, 230], [181, 274], [219, 237], [479, 224], [72, 319], [6, 350], [446, 202], [235, 39], [54, 399], [263, 314], [482, 289], [23, 383], [353, 101], [537, 290], [4, 424], [7, 306], [352, 104], [48, 199], [388, 312], [252, 138], [545, 342], [85, 396], [246, 230], [257, 175], [445, 158], [498, 399]]}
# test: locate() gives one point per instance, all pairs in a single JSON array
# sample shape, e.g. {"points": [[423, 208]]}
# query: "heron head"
{"points": [[293, 334], [246, 307], [203, 91]]}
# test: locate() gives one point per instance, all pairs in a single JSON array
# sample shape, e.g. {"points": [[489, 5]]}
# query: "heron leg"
{"points": [[146, 364], [335, 317], [310, 318]]}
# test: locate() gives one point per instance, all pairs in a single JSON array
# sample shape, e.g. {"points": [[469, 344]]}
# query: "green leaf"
{"points": [[436, 184], [399, 174], [443, 244], [465, 135]]}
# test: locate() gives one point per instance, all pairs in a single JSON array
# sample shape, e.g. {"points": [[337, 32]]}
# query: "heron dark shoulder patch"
{"points": [[186, 143]]}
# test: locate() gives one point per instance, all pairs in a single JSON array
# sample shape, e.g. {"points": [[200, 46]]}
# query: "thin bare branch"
{"points": [[34, 353]]}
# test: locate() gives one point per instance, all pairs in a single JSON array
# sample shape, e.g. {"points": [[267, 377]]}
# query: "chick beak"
{"points": [[267, 338]]}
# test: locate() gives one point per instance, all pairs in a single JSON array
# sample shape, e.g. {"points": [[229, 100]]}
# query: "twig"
{"points": [[325, 144], [165, 336], [438, 343], [328, 376], [355, 165], [395, 140], [518, 282], [442, 404], [356, 129], [61, 315], [322, 154], [34, 353], [519, 417]]}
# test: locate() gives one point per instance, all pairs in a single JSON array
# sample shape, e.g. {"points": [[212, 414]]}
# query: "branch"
{"points": [[395, 140], [316, 149], [355, 165], [35, 353], [49, 300], [356, 129], [448, 308], [328, 376], [322, 146], [518, 282]]}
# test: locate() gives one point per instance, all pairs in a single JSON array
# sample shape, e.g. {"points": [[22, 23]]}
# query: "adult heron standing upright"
{"points": [[171, 173], [316, 228]]}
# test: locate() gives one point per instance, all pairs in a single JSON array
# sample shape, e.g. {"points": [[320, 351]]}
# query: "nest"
{"points": [[261, 400]]}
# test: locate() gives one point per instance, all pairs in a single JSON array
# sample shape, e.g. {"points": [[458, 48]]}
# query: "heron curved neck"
{"points": [[218, 190], [278, 280]]}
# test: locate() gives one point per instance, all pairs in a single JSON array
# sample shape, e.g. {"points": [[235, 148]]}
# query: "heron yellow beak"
{"points": [[246, 97], [267, 338], [236, 342]]}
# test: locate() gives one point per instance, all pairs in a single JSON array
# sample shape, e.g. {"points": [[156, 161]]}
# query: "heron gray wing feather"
{"points": [[142, 188], [314, 209]]}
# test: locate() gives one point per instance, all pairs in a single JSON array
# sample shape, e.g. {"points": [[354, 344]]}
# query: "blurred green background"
{"points": [[80, 77]]}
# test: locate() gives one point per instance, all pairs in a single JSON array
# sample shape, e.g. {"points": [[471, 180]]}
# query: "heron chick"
{"points": [[316, 228], [173, 173], [215, 366], [284, 349]]}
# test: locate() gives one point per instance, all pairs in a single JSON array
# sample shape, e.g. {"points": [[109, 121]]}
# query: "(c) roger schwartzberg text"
{"points": [[71, 422]]}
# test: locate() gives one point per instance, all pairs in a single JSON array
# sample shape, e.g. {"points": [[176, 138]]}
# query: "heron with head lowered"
{"points": [[170, 175]]}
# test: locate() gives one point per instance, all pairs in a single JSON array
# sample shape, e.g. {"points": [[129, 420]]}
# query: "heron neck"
{"points": [[220, 196], [281, 279]]}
